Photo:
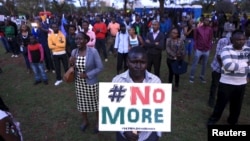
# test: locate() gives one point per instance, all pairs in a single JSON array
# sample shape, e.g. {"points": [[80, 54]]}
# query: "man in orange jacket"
{"points": [[57, 44]]}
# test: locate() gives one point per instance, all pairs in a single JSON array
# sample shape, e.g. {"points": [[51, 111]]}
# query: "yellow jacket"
{"points": [[57, 42]]}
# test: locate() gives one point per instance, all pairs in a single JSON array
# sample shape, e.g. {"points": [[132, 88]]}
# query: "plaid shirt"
{"points": [[221, 43]]}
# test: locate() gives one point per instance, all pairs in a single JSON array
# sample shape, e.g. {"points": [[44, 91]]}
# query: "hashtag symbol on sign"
{"points": [[117, 93]]}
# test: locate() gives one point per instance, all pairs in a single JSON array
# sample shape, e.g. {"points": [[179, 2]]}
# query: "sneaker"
{"points": [[16, 56], [53, 71], [191, 80], [58, 82], [203, 80], [106, 60], [37, 82], [12, 55], [46, 70]]}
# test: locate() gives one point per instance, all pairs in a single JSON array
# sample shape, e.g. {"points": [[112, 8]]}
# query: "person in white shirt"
{"points": [[137, 73], [121, 48]]}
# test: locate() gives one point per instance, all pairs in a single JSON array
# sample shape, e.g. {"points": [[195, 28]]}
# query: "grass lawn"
{"points": [[48, 113]]}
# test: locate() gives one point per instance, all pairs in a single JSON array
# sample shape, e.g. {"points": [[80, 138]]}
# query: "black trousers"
{"points": [[155, 61], [13, 45], [121, 62], [171, 73], [100, 45], [57, 60], [152, 137], [48, 58], [214, 85], [234, 95]]}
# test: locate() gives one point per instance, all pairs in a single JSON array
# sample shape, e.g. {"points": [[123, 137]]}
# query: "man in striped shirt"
{"points": [[216, 70], [137, 73], [235, 67]]}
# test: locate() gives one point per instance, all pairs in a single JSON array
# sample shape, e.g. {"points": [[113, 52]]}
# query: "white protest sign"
{"points": [[135, 106]]}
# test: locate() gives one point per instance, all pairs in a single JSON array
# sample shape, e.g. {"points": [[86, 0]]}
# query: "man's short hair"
{"points": [[237, 32], [137, 50]]}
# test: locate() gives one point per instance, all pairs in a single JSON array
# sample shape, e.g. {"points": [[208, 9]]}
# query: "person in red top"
{"points": [[36, 58], [203, 37], [100, 30]]}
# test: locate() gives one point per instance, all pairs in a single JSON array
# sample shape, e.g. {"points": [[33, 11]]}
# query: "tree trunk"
{"points": [[161, 7], [88, 5], [125, 6]]}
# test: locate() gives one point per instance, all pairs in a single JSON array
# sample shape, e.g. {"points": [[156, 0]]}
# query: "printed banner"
{"points": [[135, 107]]}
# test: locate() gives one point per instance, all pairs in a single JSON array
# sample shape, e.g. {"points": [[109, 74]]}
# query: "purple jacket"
{"points": [[203, 37]]}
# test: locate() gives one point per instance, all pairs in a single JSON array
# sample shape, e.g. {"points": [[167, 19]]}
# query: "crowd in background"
{"points": [[181, 37]]}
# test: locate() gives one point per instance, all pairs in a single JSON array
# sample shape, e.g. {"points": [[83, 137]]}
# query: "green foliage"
{"points": [[225, 6], [244, 5]]}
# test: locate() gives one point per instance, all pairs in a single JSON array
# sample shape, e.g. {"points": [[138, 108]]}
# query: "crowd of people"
{"points": [[138, 42]]}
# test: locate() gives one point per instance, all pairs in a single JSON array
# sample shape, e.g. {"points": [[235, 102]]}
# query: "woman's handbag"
{"points": [[179, 66], [69, 76]]}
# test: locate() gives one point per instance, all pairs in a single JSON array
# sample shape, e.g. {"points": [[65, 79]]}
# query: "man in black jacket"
{"points": [[154, 43]]}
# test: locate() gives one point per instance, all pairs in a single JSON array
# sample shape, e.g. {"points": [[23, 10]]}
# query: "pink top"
{"points": [[92, 40]]}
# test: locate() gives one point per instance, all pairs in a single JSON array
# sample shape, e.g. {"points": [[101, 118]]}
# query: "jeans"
{"points": [[100, 44], [189, 46], [57, 59], [38, 69], [5, 44], [197, 57]]}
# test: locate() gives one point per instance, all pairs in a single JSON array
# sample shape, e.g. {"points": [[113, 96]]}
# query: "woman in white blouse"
{"points": [[134, 39]]}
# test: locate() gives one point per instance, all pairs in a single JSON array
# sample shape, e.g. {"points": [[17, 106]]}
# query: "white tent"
{"points": [[196, 6], [173, 6], [147, 4]]}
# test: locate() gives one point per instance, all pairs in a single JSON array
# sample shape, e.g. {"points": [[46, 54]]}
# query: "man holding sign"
{"points": [[137, 73]]}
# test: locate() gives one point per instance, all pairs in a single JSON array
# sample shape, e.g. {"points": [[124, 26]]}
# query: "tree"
{"points": [[244, 5], [225, 6], [9, 5], [58, 6], [161, 7], [29, 7]]}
